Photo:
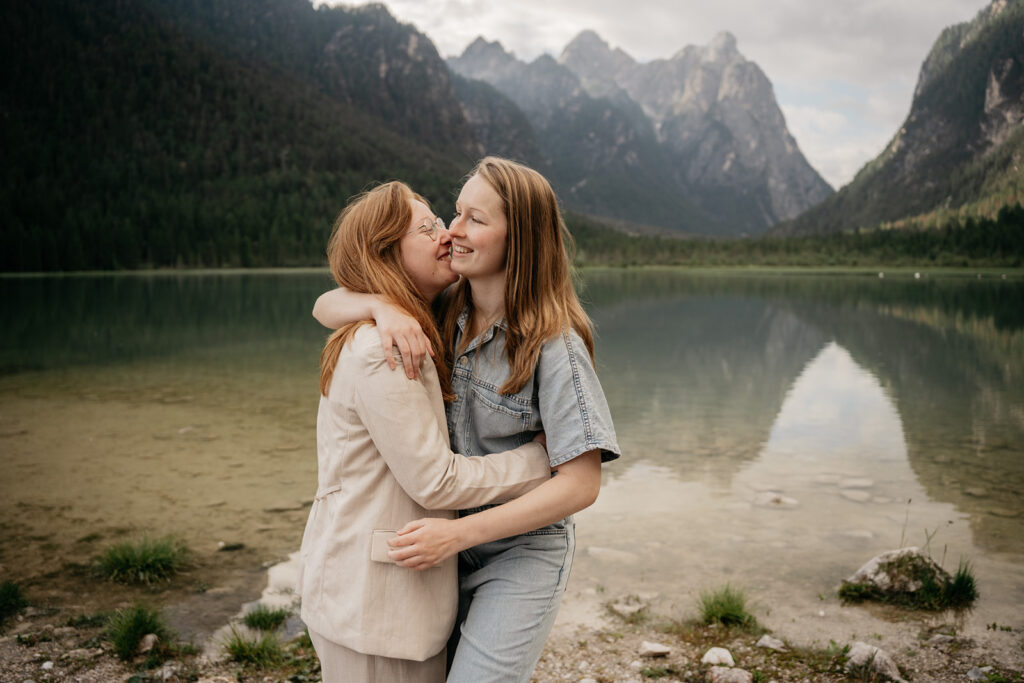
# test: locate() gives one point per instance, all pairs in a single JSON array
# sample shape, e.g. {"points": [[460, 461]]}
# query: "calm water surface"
{"points": [[777, 430]]}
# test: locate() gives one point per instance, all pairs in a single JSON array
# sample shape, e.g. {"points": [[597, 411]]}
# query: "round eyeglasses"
{"points": [[430, 228]]}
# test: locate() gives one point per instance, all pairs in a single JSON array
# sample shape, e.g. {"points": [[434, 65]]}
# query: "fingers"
{"points": [[407, 529], [408, 359], [387, 342]]}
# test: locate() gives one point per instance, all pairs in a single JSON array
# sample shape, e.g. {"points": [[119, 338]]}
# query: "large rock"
{"points": [[895, 574], [864, 658]]}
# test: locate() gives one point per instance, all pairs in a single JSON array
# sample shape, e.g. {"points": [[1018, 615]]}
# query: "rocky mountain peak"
{"points": [[589, 52], [722, 48], [487, 51]]}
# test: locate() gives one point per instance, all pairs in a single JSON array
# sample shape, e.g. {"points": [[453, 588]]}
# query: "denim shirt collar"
{"points": [[483, 338]]}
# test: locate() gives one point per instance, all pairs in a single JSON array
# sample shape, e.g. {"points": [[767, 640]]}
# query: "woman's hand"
{"points": [[396, 328], [425, 543]]}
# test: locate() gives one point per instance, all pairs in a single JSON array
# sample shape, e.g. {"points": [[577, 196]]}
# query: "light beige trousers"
{"points": [[339, 664]]}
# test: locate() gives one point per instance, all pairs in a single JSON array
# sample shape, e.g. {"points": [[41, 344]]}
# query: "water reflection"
{"points": [[699, 368]]}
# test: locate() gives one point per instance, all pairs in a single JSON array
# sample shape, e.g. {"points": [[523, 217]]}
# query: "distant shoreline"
{"points": [[873, 270]]}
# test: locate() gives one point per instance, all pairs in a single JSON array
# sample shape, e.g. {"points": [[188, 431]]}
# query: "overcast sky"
{"points": [[844, 72]]}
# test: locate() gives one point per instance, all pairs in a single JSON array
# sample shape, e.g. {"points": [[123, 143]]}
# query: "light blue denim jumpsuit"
{"points": [[510, 589]]}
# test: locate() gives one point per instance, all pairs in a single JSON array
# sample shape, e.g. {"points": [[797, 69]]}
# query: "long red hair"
{"points": [[540, 301], [365, 256]]}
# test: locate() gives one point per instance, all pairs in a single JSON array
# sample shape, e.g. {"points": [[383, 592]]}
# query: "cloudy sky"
{"points": [[844, 72]]}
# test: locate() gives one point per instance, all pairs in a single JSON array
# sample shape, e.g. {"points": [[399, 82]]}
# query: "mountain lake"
{"points": [[778, 429]]}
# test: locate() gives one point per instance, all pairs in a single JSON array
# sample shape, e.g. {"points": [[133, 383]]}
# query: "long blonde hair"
{"points": [[365, 256], [540, 301]]}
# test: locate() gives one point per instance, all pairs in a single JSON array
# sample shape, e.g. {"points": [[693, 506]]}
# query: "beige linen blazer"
{"points": [[384, 460]]}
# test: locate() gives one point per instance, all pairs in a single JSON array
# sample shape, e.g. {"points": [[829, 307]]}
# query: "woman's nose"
{"points": [[455, 227], [443, 235]]}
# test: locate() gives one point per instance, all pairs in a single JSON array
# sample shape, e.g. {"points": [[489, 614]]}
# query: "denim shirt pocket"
{"points": [[499, 416]]}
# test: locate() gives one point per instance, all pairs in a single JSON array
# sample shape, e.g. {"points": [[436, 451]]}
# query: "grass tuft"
{"points": [[726, 606], [264, 618], [12, 600], [146, 562], [127, 627], [262, 652], [962, 590]]}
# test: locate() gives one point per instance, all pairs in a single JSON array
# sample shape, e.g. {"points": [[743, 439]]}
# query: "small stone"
{"points": [[718, 655], [821, 613], [721, 674], [636, 665], [856, 495], [771, 643], [47, 665], [588, 680], [65, 632], [774, 499], [148, 642], [979, 674], [649, 649], [83, 653], [940, 639]]}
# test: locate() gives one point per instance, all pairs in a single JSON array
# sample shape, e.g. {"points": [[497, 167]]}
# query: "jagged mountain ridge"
{"points": [[716, 111], [702, 127], [962, 142], [602, 159]]}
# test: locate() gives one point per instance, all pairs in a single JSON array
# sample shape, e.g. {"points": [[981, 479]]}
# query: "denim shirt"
{"points": [[563, 398]]}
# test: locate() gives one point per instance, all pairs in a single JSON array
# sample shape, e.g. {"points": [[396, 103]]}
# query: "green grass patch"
{"points": [[261, 652], [128, 626], [657, 671], [146, 561], [12, 600], [726, 606], [264, 618]]}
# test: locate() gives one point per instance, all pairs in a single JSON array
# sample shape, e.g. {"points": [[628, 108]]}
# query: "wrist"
{"points": [[469, 532]]}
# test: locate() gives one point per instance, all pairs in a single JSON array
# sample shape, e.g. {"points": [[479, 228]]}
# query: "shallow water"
{"points": [[777, 430]]}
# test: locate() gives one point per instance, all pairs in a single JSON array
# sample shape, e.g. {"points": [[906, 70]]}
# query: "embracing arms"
{"points": [[339, 307], [426, 543], [405, 420]]}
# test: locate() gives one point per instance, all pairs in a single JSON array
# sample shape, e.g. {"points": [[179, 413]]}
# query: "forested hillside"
{"points": [[130, 142], [961, 146]]}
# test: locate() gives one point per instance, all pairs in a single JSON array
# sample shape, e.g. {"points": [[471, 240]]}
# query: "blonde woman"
{"points": [[521, 349], [384, 459]]}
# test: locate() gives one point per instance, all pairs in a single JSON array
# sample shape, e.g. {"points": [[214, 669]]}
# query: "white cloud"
{"points": [[871, 49]]}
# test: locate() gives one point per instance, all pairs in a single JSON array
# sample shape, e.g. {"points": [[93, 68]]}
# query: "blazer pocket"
{"points": [[379, 545]]}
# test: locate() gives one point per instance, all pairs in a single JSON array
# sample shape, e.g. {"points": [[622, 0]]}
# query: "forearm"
{"points": [[338, 307], [570, 491]]}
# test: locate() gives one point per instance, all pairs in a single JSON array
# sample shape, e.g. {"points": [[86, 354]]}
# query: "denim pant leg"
{"points": [[508, 604]]}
